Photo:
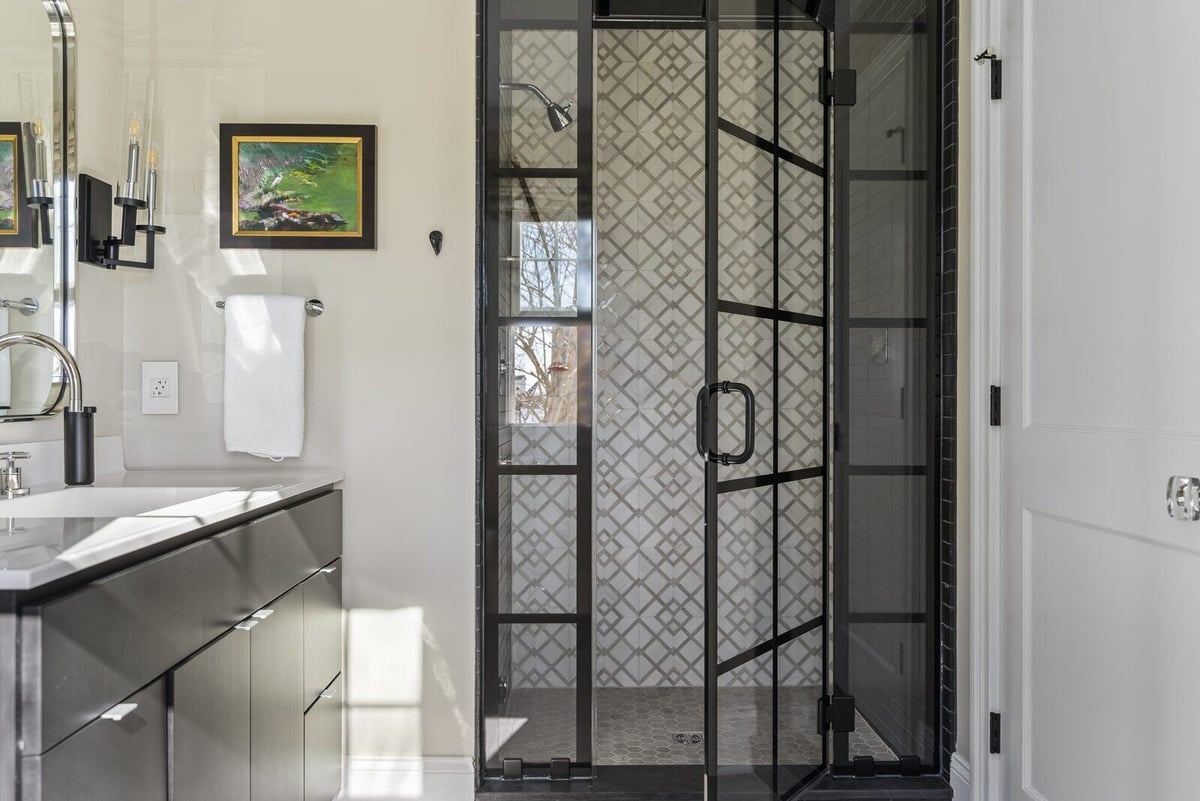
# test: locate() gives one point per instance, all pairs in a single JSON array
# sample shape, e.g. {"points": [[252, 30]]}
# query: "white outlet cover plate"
{"points": [[160, 387]]}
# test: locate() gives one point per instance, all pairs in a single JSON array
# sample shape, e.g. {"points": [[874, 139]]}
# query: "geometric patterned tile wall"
{"points": [[548, 59], [543, 567], [543, 552], [650, 352]]}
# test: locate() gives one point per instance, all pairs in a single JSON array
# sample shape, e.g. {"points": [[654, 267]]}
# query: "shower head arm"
{"points": [[531, 89]]}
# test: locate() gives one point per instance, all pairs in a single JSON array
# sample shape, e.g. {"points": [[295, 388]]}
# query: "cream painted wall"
{"points": [[390, 380], [963, 519], [100, 295]]}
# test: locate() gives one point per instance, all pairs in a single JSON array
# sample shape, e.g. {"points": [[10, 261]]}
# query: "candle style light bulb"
{"points": [[41, 172], [152, 188], [129, 190]]}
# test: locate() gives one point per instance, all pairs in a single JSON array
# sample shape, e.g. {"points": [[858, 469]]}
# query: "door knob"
{"points": [[1183, 497]]}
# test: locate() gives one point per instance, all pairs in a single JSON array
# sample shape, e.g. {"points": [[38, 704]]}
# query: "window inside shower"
{"points": [[678, 238]]}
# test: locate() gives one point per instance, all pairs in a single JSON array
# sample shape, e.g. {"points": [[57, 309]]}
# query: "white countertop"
{"points": [[35, 551]]}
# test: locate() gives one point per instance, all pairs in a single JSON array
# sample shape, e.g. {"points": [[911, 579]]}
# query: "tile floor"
{"points": [[639, 726]]}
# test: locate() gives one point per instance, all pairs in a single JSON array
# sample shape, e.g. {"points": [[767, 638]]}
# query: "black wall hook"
{"points": [[997, 71], [435, 239]]}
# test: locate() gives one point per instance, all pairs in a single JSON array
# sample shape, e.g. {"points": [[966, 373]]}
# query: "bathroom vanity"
{"points": [[190, 651]]}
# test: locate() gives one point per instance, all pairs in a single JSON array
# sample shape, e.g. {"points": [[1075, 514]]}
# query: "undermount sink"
{"points": [[105, 501]]}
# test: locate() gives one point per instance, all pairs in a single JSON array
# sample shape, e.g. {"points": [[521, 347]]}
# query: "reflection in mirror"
{"points": [[31, 292]]}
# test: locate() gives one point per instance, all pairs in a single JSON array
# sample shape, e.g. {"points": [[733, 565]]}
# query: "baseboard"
{"points": [[960, 778], [429, 765]]}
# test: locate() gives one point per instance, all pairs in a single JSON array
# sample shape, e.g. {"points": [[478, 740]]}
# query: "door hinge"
{"points": [[994, 744], [821, 11], [840, 87], [836, 713], [997, 67], [994, 406]]}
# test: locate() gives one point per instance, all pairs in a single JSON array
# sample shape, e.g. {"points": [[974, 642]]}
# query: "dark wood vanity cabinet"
{"points": [[322, 738], [322, 630], [210, 723], [277, 667], [225, 683], [129, 754]]}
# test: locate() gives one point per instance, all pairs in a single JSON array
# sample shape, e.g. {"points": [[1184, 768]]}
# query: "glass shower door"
{"points": [[886, 605], [761, 413]]}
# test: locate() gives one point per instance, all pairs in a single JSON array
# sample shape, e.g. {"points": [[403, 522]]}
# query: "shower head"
{"points": [[559, 116]]}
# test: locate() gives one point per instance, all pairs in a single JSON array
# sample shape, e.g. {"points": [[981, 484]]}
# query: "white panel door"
{"points": [[1100, 299]]}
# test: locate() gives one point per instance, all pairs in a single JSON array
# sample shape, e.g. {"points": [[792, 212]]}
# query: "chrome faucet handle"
{"points": [[10, 475]]}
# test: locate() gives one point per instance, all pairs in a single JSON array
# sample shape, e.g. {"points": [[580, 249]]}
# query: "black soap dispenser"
{"points": [[79, 446]]}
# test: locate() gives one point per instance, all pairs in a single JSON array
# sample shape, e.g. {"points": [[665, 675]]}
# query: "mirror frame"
{"points": [[62, 28], [63, 57]]}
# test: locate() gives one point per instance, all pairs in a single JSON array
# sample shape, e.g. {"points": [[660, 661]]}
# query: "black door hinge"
{"points": [[821, 11], [836, 713], [994, 745], [997, 67], [840, 87], [994, 406]]}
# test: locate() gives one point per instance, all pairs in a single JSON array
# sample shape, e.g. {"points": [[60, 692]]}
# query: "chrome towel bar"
{"points": [[312, 307], [26, 306]]}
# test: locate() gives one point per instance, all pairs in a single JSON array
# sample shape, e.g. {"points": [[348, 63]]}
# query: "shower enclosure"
{"points": [[709, 466]]}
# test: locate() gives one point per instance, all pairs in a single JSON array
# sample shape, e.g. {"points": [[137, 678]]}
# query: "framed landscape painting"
{"points": [[17, 227], [298, 186]]}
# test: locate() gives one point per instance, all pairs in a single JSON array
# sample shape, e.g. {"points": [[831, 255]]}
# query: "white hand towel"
{"points": [[5, 365], [264, 375]]}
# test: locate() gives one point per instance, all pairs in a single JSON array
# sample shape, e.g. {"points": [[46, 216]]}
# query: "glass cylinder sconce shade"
{"points": [[139, 122], [155, 199], [35, 136]]}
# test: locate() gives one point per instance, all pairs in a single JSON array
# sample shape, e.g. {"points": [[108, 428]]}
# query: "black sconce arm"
{"points": [[97, 245]]}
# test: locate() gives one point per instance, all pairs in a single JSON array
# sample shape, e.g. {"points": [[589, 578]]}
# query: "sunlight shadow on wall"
{"points": [[384, 655]]}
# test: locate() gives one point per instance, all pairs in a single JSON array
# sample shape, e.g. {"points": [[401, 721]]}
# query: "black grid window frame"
{"points": [[489, 468]]}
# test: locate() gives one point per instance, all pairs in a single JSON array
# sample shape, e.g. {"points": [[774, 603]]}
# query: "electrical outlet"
{"points": [[160, 387]]}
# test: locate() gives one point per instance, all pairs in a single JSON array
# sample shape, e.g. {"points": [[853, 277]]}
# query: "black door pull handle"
{"points": [[703, 409]]}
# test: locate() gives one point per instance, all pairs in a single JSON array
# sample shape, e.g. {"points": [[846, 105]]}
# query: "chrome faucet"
{"points": [[10, 475], [78, 420]]}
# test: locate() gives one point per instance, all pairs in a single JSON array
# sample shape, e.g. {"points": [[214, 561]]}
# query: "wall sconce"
{"points": [[39, 192], [97, 245]]}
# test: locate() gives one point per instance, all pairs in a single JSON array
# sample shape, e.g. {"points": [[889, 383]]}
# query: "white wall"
{"points": [[390, 380]]}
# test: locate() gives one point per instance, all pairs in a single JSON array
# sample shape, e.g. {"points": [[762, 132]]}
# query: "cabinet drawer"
{"points": [[323, 745], [107, 760], [83, 652], [323, 637], [281, 550]]}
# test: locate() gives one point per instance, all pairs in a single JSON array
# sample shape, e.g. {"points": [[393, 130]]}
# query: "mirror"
{"points": [[36, 181]]}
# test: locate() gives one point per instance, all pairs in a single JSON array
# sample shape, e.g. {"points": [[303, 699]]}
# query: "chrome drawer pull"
{"points": [[247, 625], [263, 614], [327, 694], [118, 712], [328, 570]]}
